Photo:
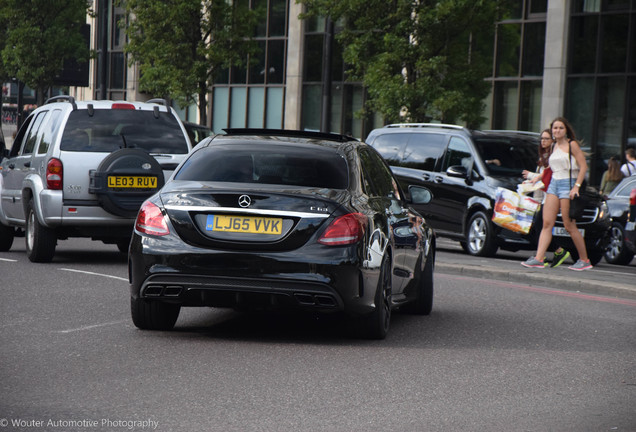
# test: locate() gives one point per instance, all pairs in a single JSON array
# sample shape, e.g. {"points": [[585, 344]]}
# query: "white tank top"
{"points": [[560, 164]]}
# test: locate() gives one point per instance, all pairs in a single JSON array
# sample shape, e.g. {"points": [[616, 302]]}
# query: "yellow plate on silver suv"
{"points": [[132, 182]]}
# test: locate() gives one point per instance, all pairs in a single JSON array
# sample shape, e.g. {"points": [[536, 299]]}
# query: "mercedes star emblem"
{"points": [[245, 201]]}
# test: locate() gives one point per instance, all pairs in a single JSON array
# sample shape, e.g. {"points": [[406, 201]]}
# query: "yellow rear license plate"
{"points": [[136, 182], [244, 224]]}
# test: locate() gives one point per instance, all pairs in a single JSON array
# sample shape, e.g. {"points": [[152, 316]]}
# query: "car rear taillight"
{"points": [[632, 206], [344, 230], [54, 174], [150, 220], [119, 105]]}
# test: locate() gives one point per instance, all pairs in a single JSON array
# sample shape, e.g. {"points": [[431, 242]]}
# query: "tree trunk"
{"points": [[203, 104]]}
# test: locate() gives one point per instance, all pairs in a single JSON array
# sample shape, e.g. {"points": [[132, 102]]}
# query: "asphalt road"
{"points": [[493, 355]]}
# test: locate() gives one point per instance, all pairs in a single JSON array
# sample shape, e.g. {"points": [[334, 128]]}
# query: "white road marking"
{"points": [[8, 260], [95, 274], [89, 327]]}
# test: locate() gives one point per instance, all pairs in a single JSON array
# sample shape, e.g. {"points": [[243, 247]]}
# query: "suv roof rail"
{"points": [[290, 133], [437, 125], [159, 101], [534, 134], [62, 98]]}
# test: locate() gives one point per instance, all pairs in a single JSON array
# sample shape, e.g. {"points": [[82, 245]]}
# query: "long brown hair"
{"points": [[569, 131], [614, 169], [544, 153]]}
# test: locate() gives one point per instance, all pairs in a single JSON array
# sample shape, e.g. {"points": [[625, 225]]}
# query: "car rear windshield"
{"points": [[515, 155], [260, 163], [108, 130]]}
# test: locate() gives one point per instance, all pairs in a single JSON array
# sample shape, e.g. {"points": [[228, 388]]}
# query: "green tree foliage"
{"points": [[38, 36], [419, 60], [182, 45]]}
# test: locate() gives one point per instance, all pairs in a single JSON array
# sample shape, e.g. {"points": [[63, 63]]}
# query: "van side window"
{"points": [[391, 146], [458, 153], [424, 150]]}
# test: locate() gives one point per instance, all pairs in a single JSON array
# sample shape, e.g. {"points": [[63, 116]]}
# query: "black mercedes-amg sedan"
{"points": [[280, 219]]}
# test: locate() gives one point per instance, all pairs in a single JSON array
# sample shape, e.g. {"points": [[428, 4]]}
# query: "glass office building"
{"points": [[575, 58]]}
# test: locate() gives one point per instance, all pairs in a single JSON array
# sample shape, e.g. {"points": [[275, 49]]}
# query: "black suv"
{"points": [[462, 169]]}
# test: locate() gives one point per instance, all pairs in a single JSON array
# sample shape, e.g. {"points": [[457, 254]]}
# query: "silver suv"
{"points": [[82, 169]]}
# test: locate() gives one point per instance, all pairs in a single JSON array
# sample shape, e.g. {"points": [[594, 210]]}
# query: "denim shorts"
{"points": [[561, 188]]}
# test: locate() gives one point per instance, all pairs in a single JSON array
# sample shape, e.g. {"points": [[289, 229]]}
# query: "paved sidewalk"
{"points": [[603, 279]]}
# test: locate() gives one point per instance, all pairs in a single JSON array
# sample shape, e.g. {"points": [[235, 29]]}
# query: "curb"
{"points": [[534, 278]]}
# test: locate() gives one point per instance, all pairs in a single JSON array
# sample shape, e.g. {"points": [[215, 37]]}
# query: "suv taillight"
{"points": [[150, 220], [344, 230], [54, 174]]}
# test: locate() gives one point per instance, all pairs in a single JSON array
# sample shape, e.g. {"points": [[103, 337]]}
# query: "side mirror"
{"points": [[420, 195], [457, 171]]}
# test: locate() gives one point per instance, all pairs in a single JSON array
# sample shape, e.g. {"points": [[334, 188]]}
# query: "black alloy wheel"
{"points": [[376, 324], [423, 303], [617, 252]]}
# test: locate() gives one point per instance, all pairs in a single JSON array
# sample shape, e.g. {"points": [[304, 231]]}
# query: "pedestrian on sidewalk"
{"points": [[629, 167], [612, 177], [568, 165], [544, 174]]}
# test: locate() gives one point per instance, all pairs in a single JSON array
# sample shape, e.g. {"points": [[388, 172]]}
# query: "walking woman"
{"points": [[562, 188]]}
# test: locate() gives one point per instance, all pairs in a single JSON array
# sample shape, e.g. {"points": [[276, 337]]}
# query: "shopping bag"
{"points": [[514, 212]]}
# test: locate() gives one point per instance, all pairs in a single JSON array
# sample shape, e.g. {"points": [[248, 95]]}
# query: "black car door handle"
{"points": [[426, 176], [439, 179], [27, 164], [11, 166]]}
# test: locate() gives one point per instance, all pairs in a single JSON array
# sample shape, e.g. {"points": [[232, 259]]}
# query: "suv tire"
{"points": [[6, 237], [125, 162], [480, 236], [40, 241]]}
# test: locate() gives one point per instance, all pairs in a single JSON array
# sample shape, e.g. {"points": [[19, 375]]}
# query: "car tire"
{"points": [[153, 314], [423, 303], [617, 252], [480, 238], [40, 241], [6, 237], [376, 324]]}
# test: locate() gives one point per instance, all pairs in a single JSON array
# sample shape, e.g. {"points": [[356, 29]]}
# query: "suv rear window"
{"points": [[108, 130], [279, 165]]}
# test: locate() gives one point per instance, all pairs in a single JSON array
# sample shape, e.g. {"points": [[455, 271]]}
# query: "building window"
{"points": [[346, 98], [515, 101], [600, 99], [253, 95]]}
